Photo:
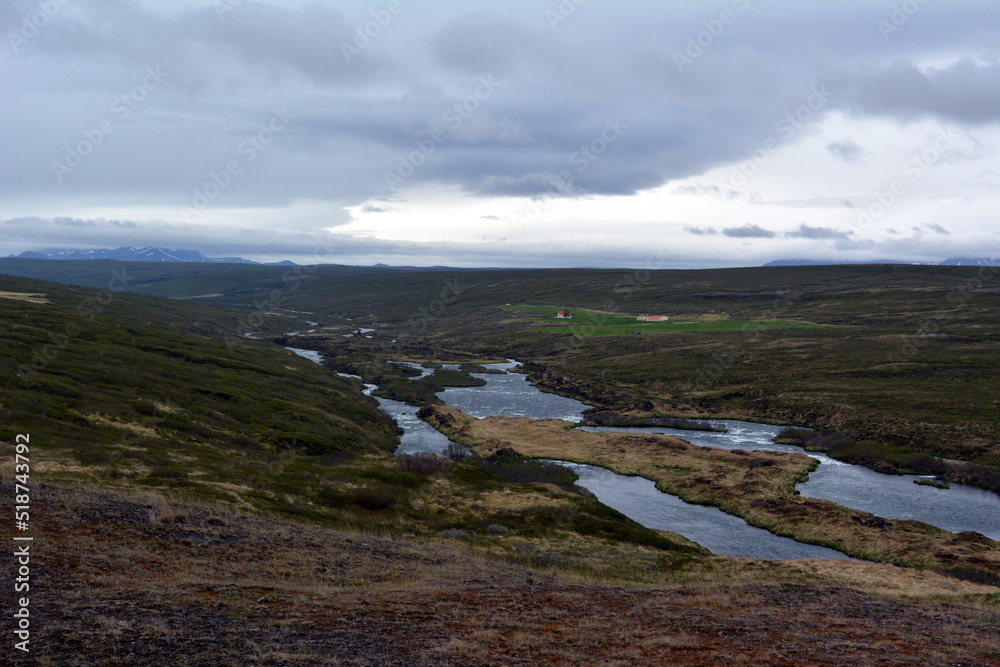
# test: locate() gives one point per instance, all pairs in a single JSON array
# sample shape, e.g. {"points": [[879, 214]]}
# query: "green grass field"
{"points": [[616, 329]]}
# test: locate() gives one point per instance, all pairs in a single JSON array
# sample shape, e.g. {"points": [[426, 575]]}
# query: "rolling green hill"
{"points": [[850, 294], [126, 390]]}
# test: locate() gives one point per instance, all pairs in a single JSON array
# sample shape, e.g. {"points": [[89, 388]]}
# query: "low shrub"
{"points": [[370, 497], [515, 468], [387, 476], [455, 533], [891, 459], [375, 498], [421, 464], [973, 575], [597, 417], [457, 452]]}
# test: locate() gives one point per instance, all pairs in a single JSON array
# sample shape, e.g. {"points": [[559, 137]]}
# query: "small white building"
{"points": [[564, 315], [652, 318]]}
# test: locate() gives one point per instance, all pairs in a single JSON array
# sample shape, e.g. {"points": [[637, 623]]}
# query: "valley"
{"points": [[167, 406]]}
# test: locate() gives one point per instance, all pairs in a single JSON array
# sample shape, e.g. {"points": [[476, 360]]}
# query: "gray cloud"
{"points": [[749, 232], [847, 150], [720, 192], [593, 105], [814, 202], [547, 117], [805, 231], [934, 227], [967, 91]]}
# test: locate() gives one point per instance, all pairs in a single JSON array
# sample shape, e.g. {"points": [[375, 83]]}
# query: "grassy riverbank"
{"points": [[756, 486]]}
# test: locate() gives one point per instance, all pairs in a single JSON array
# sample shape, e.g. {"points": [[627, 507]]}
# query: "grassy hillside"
{"points": [[143, 394], [126, 390]]}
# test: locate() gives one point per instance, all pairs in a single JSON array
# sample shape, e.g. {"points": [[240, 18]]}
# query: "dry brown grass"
{"points": [[30, 297], [757, 486], [229, 589], [131, 427]]}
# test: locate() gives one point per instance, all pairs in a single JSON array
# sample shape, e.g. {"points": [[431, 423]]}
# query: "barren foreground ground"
{"points": [[121, 580]]}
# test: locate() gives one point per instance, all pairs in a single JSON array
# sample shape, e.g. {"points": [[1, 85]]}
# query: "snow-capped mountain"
{"points": [[953, 261], [972, 261], [125, 253]]}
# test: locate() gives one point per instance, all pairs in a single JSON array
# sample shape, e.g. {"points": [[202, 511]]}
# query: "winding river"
{"points": [[889, 496]]}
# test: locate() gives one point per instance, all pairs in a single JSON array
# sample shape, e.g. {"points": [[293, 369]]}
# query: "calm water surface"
{"points": [[889, 496], [720, 533]]}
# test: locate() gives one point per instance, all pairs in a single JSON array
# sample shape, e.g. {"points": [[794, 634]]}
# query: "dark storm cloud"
{"points": [[965, 92], [488, 42], [611, 120]]}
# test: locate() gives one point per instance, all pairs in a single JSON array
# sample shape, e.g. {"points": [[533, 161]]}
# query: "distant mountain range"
{"points": [[951, 261], [148, 254], [972, 261]]}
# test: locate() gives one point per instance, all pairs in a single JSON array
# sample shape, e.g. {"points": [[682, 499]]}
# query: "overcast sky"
{"points": [[536, 133]]}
